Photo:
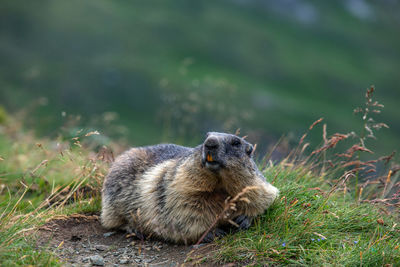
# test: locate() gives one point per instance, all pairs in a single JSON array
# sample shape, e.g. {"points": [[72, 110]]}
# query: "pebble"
{"points": [[101, 247], [108, 234], [124, 261], [198, 246], [97, 260]]}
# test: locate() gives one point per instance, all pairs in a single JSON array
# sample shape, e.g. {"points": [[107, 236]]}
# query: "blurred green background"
{"points": [[169, 71]]}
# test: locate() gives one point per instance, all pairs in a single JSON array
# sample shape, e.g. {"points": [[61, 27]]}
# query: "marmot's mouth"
{"points": [[211, 163], [211, 160]]}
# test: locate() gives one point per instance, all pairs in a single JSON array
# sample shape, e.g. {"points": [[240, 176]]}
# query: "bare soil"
{"points": [[80, 240]]}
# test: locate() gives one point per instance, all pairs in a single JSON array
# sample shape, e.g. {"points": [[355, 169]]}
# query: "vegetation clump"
{"points": [[325, 214], [3, 115]]}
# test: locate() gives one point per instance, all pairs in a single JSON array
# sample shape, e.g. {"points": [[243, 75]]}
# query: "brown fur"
{"points": [[170, 192]]}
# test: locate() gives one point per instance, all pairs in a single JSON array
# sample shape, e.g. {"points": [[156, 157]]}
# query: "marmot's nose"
{"points": [[211, 143]]}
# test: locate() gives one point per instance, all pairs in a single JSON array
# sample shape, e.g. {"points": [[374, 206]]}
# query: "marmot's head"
{"points": [[226, 151]]}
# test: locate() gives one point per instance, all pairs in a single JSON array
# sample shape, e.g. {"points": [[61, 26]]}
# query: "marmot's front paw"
{"points": [[135, 232], [243, 221], [217, 232]]}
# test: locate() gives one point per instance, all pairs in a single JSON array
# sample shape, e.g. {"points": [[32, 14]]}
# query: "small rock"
{"points": [[97, 260], [108, 234], [101, 247], [124, 261], [86, 259], [198, 246], [83, 245]]}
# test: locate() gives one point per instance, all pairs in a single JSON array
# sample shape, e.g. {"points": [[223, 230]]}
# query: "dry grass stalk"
{"points": [[315, 123], [230, 205], [350, 162], [309, 129], [386, 183], [331, 143], [44, 162]]}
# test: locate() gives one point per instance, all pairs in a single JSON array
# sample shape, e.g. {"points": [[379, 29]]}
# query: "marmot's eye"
{"points": [[249, 150], [235, 142]]}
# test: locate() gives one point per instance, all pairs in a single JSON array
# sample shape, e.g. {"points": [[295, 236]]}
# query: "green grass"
{"points": [[17, 240], [32, 192], [310, 224], [309, 227]]}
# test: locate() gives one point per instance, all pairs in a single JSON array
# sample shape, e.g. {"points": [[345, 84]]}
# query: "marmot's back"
{"points": [[176, 192], [134, 162]]}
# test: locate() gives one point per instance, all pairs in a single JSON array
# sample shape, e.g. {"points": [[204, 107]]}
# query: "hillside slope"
{"points": [[290, 62]]}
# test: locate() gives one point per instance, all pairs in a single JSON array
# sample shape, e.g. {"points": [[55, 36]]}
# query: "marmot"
{"points": [[176, 192]]}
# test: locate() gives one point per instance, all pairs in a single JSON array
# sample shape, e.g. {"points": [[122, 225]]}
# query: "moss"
{"points": [[3, 115]]}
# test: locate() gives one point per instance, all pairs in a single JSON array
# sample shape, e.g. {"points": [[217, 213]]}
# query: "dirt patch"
{"points": [[81, 240]]}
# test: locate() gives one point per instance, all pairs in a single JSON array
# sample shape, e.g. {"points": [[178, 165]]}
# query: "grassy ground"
{"points": [[308, 225], [315, 221], [40, 179]]}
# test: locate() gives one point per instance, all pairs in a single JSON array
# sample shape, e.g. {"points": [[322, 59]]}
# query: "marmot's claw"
{"points": [[208, 238], [218, 232], [128, 229], [243, 221], [140, 235], [135, 232]]}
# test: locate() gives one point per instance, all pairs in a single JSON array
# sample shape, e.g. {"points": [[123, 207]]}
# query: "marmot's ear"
{"points": [[249, 149]]}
